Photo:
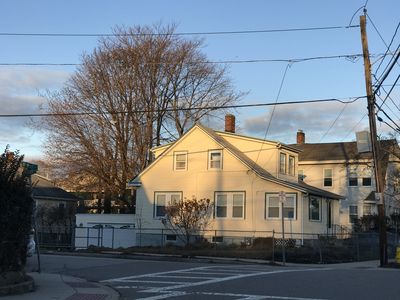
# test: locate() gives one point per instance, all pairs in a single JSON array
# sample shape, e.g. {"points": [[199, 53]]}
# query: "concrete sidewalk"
{"points": [[61, 287]]}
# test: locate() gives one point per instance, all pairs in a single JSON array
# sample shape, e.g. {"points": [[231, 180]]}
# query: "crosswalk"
{"points": [[172, 284]]}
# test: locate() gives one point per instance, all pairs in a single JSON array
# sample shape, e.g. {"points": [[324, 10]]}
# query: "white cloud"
{"points": [[314, 119], [20, 91]]}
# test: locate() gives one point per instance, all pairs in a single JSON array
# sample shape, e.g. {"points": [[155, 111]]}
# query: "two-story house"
{"points": [[243, 176], [346, 168]]}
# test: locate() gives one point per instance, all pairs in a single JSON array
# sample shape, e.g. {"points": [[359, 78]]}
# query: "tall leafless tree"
{"points": [[139, 88]]}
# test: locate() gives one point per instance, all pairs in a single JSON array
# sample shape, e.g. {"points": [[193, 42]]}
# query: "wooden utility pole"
{"points": [[375, 145]]}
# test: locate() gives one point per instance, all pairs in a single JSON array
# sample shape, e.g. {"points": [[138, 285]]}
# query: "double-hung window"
{"points": [[273, 207], [180, 161], [367, 177], [291, 165], [163, 199], [315, 209], [327, 177], [215, 159], [229, 205], [353, 178], [282, 163], [353, 213]]}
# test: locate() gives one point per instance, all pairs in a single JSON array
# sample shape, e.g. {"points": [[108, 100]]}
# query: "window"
{"points": [[366, 181], [301, 175], [237, 205], [215, 159], [367, 209], [291, 165], [327, 177], [274, 207], [222, 206], [170, 237], [353, 213], [353, 178], [162, 199], [315, 209], [282, 163], [229, 205], [353, 181], [180, 161]]}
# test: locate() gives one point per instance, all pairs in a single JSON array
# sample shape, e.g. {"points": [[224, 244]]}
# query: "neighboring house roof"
{"points": [[261, 172], [53, 193], [44, 189], [346, 151]]}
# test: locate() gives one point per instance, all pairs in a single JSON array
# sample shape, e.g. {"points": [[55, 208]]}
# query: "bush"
{"points": [[16, 208]]}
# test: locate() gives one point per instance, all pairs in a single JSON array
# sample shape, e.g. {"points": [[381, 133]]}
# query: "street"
{"points": [[157, 279]]}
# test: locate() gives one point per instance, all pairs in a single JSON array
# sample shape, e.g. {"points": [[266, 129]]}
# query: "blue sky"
{"points": [[21, 87]]}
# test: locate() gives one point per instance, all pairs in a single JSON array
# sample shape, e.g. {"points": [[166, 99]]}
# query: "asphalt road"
{"points": [[152, 279]]}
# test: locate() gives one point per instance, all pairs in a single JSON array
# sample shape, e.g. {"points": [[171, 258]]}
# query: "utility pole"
{"points": [[375, 145]]}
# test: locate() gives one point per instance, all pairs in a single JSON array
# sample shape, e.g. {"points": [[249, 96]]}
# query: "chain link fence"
{"points": [[265, 245]]}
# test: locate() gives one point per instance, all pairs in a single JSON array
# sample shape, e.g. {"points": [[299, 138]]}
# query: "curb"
{"points": [[26, 286]]}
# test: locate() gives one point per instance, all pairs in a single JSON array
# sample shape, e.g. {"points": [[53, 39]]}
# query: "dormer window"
{"points": [[215, 159], [282, 163], [180, 161], [291, 165]]}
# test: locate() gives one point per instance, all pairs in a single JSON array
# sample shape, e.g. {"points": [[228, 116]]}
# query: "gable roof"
{"points": [[345, 151], [52, 193], [252, 165], [264, 174]]}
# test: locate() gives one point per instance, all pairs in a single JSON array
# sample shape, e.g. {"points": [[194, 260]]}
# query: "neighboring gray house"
{"points": [[346, 168]]}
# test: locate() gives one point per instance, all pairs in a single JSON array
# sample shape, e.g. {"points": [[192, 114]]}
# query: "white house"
{"points": [[346, 168], [243, 176]]}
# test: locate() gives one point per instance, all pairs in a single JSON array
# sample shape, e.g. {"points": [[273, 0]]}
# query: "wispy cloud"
{"points": [[20, 93], [314, 119]]}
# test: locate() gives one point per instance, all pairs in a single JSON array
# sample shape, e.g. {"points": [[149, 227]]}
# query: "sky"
{"points": [[23, 88]]}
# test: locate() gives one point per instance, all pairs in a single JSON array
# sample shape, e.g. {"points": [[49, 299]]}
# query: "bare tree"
{"points": [[188, 217], [141, 87]]}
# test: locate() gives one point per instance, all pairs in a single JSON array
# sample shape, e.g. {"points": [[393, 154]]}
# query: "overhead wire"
{"points": [[334, 122], [349, 100], [354, 127], [42, 34], [289, 60]]}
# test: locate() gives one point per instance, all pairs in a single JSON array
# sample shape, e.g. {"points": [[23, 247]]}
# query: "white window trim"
{"points": [[288, 195], [210, 152], [320, 210], [229, 205], [167, 201], [186, 160]]}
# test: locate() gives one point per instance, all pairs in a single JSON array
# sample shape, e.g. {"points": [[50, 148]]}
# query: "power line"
{"points": [[388, 69], [43, 34], [349, 100], [273, 109], [289, 60], [390, 91], [354, 127], [387, 46], [333, 123]]}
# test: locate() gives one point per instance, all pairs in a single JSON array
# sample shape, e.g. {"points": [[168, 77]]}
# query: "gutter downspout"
{"points": [[306, 195]]}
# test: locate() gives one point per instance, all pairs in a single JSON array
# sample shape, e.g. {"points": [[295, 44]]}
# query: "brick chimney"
{"points": [[230, 123], [301, 137]]}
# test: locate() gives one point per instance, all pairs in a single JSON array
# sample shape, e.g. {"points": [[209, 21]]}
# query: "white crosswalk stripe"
{"points": [[165, 284]]}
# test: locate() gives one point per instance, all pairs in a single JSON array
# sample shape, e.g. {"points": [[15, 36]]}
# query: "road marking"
{"points": [[255, 297], [212, 281], [152, 274], [184, 277], [156, 281], [242, 296]]}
